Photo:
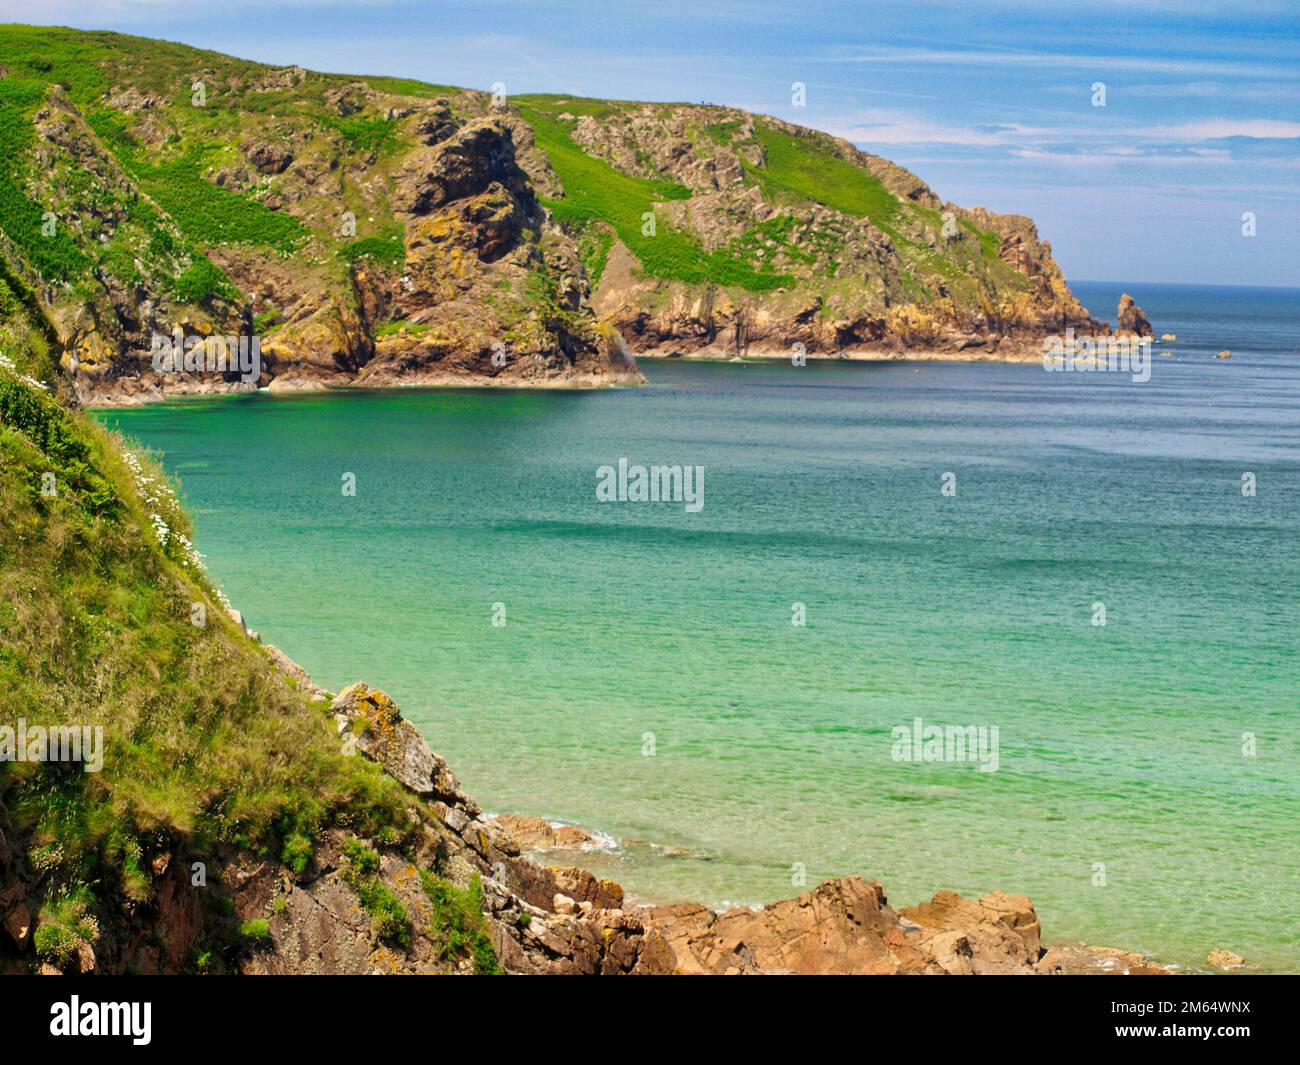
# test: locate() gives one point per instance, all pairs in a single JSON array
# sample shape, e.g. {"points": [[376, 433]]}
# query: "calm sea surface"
{"points": [[1120, 746]]}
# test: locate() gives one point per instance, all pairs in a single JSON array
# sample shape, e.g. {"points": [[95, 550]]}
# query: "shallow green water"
{"points": [[1119, 744]]}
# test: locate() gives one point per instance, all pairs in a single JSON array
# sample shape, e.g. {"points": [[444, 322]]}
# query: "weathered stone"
{"points": [[18, 923], [1132, 320], [373, 720], [1225, 959], [535, 834]]}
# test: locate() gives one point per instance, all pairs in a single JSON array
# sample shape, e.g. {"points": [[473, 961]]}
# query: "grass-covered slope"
{"points": [[209, 752]]}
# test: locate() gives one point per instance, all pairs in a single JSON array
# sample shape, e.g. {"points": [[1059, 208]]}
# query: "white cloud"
{"points": [[1065, 60]]}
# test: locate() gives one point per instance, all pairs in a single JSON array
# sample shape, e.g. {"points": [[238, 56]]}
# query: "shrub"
{"points": [[296, 852], [458, 922], [256, 931], [63, 926]]}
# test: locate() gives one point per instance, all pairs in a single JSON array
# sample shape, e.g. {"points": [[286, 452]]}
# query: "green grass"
{"points": [[800, 168], [205, 746], [57, 257], [401, 325], [364, 133], [389, 251], [64, 925], [257, 931], [458, 922], [388, 916], [594, 192], [206, 213], [595, 240], [409, 87]]}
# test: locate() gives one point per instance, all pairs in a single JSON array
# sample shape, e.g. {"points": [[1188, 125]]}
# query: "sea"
{"points": [[966, 626]]}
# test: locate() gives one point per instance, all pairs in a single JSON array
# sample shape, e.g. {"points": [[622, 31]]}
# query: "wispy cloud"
{"points": [[1149, 63]]}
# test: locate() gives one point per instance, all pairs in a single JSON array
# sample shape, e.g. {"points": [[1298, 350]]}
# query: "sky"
{"points": [[995, 103]]}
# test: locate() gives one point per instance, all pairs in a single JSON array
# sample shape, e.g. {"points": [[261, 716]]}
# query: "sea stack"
{"points": [[1132, 319]]}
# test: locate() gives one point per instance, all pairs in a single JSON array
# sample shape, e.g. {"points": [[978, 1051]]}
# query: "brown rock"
{"points": [[372, 718], [997, 933], [844, 926], [580, 885], [1225, 959], [535, 834], [269, 158], [1131, 318], [18, 923]]}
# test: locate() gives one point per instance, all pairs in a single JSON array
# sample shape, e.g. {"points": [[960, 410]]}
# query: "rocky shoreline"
{"points": [[621, 368], [143, 395], [561, 919]]}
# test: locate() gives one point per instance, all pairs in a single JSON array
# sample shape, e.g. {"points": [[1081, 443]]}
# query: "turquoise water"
{"points": [[1119, 744]]}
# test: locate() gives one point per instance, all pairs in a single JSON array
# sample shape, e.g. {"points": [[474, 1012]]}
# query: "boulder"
{"points": [[535, 834], [581, 886], [371, 718], [1225, 959]]}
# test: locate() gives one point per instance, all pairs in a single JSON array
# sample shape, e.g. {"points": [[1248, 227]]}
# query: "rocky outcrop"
{"points": [[450, 271], [857, 284], [371, 721], [1132, 320]]}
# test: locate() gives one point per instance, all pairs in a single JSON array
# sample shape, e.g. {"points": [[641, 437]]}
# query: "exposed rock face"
{"points": [[997, 933], [843, 926], [1132, 321]]}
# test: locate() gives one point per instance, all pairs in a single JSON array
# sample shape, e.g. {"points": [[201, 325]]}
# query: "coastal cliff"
{"points": [[377, 231]]}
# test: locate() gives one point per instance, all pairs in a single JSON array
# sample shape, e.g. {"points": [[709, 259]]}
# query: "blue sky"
{"points": [[990, 102]]}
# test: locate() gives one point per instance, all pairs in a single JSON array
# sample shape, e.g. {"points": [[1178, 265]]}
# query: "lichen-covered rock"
{"points": [[371, 720]]}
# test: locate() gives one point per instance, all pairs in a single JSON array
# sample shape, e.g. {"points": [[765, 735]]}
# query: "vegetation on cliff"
{"points": [[147, 185], [209, 753]]}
